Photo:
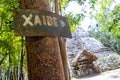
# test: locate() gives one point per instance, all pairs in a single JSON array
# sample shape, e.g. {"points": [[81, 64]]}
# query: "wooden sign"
{"points": [[40, 23]]}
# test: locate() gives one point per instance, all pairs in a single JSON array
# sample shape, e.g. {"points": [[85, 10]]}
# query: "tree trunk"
{"points": [[43, 53], [15, 75], [9, 68], [62, 43], [22, 59], [0, 74]]}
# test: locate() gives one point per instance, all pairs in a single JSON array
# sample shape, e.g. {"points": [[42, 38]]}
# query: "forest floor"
{"points": [[108, 75]]}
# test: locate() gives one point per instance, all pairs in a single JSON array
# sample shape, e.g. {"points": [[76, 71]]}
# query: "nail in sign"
{"points": [[40, 23]]}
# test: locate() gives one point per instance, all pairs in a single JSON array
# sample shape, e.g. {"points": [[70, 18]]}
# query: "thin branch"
{"points": [[3, 59]]}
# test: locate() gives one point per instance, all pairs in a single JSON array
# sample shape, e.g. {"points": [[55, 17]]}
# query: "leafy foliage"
{"points": [[74, 20], [10, 46], [113, 25], [108, 18]]}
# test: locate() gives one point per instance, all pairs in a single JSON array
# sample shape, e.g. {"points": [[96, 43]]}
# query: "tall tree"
{"points": [[62, 43], [43, 53]]}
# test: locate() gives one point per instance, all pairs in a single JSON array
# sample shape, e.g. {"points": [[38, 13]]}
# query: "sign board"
{"points": [[40, 23]]}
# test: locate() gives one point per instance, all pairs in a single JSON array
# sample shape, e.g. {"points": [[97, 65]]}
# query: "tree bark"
{"points": [[43, 53], [10, 66], [15, 75], [62, 43], [22, 59], [0, 74]]}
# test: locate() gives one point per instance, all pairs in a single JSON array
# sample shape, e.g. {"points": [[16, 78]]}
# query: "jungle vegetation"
{"points": [[12, 48]]}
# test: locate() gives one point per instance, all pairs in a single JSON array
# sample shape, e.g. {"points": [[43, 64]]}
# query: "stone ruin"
{"points": [[83, 64], [82, 40]]}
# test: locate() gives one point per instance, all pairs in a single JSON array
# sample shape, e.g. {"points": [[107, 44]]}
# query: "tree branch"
{"points": [[3, 58]]}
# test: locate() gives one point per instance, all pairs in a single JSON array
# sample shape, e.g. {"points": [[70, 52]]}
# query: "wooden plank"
{"points": [[40, 23]]}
